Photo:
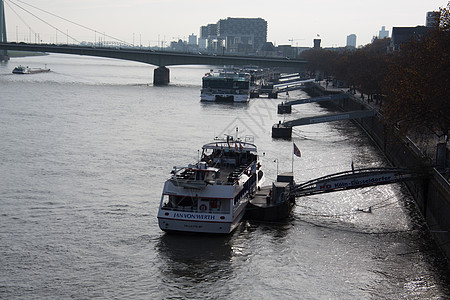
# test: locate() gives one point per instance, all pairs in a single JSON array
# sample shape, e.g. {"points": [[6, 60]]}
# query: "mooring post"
{"points": [[161, 76]]}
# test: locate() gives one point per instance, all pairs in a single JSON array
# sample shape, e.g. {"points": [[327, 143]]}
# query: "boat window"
{"points": [[218, 205], [179, 202], [199, 175], [166, 202], [225, 83]]}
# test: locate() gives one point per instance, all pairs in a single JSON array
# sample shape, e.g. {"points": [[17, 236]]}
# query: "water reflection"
{"points": [[194, 247], [194, 258], [276, 231]]}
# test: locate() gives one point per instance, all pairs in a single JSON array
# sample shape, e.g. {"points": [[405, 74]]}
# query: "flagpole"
{"points": [[292, 157]]}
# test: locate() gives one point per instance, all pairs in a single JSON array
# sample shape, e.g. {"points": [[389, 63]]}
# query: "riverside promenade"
{"points": [[427, 147], [431, 194]]}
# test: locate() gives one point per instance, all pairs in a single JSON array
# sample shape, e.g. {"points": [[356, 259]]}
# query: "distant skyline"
{"points": [[150, 21]]}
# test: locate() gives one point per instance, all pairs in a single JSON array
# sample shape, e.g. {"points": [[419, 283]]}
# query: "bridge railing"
{"points": [[354, 179]]}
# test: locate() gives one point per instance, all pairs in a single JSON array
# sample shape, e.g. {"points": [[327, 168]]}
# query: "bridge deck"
{"points": [[330, 118], [354, 179], [159, 58]]}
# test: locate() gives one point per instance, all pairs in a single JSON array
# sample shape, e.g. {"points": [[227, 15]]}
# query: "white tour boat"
{"points": [[210, 196], [225, 86], [28, 70]]}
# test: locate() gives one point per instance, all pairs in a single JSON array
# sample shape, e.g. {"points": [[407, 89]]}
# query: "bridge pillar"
{"points": [[161, 76], [3, 53], [4, 57]]}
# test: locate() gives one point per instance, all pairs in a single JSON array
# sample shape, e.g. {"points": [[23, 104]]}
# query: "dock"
{"points": [[279, 83], [272, 203], [275, 202]]}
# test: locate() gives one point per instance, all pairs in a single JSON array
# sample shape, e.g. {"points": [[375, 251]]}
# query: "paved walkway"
{"points": [[356, 94]]}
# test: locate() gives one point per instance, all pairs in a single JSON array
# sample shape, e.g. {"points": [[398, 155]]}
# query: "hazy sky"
{"points": [[152, 20]]}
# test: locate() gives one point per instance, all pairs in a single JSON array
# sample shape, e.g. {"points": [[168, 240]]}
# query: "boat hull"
{"points": [[224, 98], [270, 213], [30, 71], [185, 222]]}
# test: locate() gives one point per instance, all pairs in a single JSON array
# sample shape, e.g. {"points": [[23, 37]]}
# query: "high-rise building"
{"points": [[383, 33], [202, 44], [433, 19], [401, 35], [192, 39], [208, 32], [351, 40], [237, 35], [245, 34]]}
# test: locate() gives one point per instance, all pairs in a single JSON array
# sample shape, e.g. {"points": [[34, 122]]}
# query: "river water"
{"points": [[86, 148]]}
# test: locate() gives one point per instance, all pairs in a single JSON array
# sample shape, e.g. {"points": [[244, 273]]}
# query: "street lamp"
{"points": [[276, 160]]}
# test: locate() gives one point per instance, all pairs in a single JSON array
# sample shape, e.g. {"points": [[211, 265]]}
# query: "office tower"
{"points": [[351, 40], [383, 33]]}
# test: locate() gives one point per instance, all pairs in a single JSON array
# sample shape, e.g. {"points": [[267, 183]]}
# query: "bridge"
{"points": [[162, 59], [354, 179]]}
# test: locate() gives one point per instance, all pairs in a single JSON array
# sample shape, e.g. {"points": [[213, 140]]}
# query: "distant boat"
{"points": [[28, 70]]}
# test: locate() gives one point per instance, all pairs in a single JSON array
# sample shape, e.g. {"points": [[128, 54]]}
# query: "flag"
{"points": [[297, 151]]}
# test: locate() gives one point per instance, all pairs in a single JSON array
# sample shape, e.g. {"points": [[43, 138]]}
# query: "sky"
{"points": [[147, 22]]}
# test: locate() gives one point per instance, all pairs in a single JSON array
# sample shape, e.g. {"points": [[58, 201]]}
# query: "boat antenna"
{"points": [[237, 130]]}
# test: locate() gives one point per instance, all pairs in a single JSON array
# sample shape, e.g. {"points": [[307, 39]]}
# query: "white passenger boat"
{"points": [[210, 196], [28, 70], [225, 86]]}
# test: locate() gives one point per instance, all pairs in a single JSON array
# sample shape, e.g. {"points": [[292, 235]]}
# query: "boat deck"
{"points": [[228, 173], [260, 197], [263, 207]]}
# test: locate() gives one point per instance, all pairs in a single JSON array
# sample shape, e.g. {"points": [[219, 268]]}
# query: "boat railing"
{"points": [[194, 210], [238, 171]]}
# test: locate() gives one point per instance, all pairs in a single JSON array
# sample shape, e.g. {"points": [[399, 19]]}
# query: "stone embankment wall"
{"points": [[432, 194]]}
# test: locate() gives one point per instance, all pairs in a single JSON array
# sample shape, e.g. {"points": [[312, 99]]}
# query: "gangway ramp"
{"points": [[354, 179], [287, 76], [284, 130], [286, 107], [291, 85], [331, 117]]}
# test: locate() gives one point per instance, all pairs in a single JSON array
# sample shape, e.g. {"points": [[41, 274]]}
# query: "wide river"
{"points": [[85, 150]]}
